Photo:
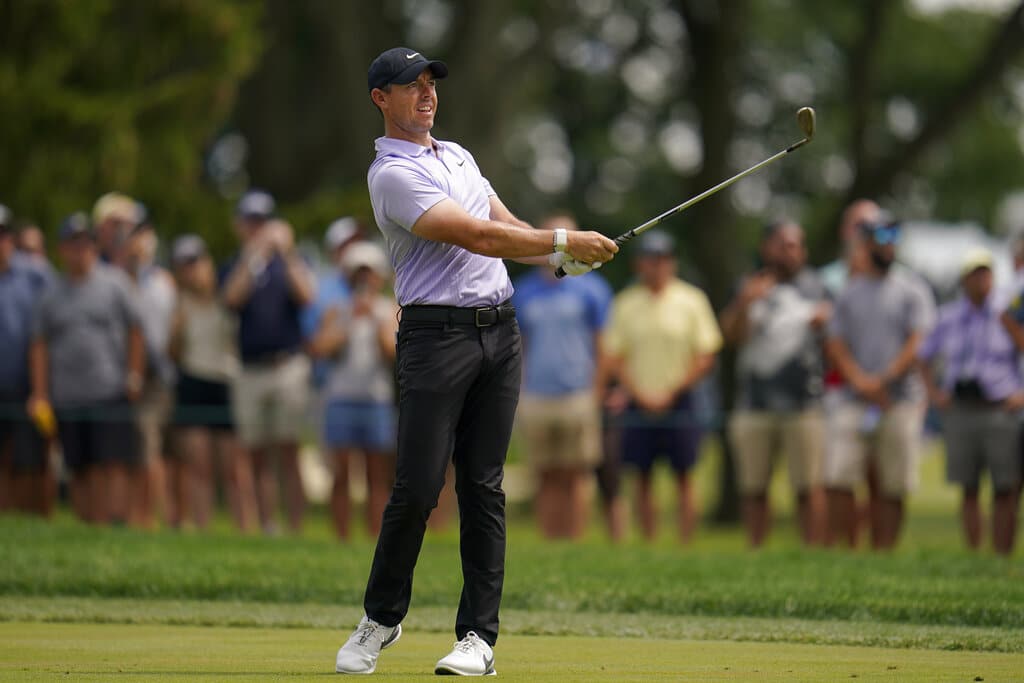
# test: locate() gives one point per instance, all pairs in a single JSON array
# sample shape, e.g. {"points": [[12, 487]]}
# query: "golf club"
{"points": [[804, 119]]}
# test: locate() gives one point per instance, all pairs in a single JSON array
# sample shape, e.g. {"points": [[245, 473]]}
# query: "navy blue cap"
{"points": [[657, 243], [6, 218], [256, 204], [74, 226], [401, 65]]}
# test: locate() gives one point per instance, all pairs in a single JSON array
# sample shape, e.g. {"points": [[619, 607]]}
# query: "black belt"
{"points": [[453, 315]]}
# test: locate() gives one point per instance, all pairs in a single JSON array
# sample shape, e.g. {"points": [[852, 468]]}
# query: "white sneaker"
{"points": [[472, 656], [359, 654]]}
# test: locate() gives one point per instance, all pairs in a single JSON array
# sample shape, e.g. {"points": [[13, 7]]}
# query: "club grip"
{"points": [[619, 241]]}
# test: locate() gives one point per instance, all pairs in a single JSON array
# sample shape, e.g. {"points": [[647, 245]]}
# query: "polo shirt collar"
{"points": [[386, 145]]}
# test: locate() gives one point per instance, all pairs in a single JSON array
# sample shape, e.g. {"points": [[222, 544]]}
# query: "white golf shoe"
{"points": [[359, 654], [472, 656]]}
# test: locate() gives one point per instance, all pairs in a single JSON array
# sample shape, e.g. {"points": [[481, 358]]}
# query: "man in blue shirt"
{"points": [[269, 285], [25, 478], [558, 419]]}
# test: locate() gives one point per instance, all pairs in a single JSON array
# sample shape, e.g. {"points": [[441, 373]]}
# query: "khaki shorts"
{"points": [[561, 432], [759, 437], [154, 413], [892, 439], [269, 402]]}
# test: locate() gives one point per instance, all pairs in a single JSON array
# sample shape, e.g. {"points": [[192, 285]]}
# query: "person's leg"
{"points": [[970, 516], [578, 502], [436, 365], [609, 480], [844, 465], [196, 473], [340, 499], [687, 514], [1004, 521], [803, 439], [896, 458], [6, 463], [753, 437], [239, 485], [294, 492], [547, 502], [481, 442]]}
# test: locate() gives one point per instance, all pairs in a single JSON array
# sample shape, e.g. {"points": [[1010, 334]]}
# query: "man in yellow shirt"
{"points": [[660, 341]]}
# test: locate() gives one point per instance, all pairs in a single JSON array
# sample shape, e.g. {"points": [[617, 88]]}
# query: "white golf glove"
{"points": [[570, 265]]}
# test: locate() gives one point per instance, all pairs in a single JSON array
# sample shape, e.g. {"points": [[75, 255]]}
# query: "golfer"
{"points": [[458, 357]]}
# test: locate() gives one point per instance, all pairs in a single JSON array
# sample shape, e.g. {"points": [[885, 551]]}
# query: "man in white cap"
{"points": [[980, 396]]}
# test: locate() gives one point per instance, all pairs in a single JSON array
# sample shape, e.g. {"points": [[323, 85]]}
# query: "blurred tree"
{"points": [[118, 94]]}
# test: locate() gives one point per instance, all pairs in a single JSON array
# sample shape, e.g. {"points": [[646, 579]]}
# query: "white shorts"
{"points": [[891, 439]]}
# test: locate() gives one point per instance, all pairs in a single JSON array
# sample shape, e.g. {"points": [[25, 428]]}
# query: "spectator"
{"points": [[558, 415], [980, 395], [268, 284], [114, 215], [358, 337], [776, 321], [31, 244], [879, 322], [86, 359], [26, 478], [203, 343], [661, 340], [156, 293]]}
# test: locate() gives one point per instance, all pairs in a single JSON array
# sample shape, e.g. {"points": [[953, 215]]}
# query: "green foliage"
{"points": [[119, 94]]}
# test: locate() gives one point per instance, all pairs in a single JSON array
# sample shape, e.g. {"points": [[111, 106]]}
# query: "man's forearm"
{"points": [[299, 281], [136, 352], [239, 285], [843, 360], [38, 368], [905, 359], [699, 370]]}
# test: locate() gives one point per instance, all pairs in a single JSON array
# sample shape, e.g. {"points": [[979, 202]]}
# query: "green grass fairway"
{"points": [[30, 652]]}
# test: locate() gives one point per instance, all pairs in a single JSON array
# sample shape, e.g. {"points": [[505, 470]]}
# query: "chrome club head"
{"points": [[805, 119]]}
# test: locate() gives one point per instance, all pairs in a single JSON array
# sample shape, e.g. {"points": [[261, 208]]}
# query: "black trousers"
{"points": [[458, 391]]}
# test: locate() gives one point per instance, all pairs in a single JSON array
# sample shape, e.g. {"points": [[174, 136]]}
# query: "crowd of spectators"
{"points": [[143, 387]]}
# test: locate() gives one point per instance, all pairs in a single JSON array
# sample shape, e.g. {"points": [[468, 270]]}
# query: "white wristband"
{"points": [[561, 239]]}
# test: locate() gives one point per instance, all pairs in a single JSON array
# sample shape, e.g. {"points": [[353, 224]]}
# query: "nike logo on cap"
{"points": [[412, 55]]}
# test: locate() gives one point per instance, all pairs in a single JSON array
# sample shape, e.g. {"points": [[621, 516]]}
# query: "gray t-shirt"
{"points": [[876, 316], [361, 372], [85, 327], [780, 367]]}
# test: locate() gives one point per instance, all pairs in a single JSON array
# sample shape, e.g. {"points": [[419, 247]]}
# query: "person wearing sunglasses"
{"points": [[879, 322]]}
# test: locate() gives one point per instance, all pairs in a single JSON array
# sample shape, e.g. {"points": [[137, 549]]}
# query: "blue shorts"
{"points": [[359, 424], [674, 435]]}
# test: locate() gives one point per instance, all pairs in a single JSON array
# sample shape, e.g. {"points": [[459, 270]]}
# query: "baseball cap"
{"points": [[187, 249], [974, 259], [339, 232], [6, 219], [401, 65], [657, 243], [256, 204], [365, 255], [114, 206], [74, 226]]}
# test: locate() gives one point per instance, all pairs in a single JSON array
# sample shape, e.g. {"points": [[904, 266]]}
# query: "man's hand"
{"points": [[942, 400], [616, 401], [872, 389], [1014, 403], [756, 287], [821, 316], [658, 402], [590, 247], [41, 413]]}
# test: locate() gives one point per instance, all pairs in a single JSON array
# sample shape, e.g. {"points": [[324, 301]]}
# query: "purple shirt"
{"points": [[405, 180], [974, 346]]}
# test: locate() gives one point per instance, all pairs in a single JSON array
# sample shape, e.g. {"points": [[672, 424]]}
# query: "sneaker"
{"points": [[472, 656], [359, 654]]}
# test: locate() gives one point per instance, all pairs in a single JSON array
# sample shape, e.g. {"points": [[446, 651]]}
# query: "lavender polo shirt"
{"points": [[405, 180], [975, 346]]}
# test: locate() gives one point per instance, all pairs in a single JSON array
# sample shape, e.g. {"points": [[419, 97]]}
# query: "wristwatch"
{"points": [[561, 240]]}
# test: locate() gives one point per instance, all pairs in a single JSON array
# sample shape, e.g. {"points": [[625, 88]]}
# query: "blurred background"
{"points": [[612, 110]]}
